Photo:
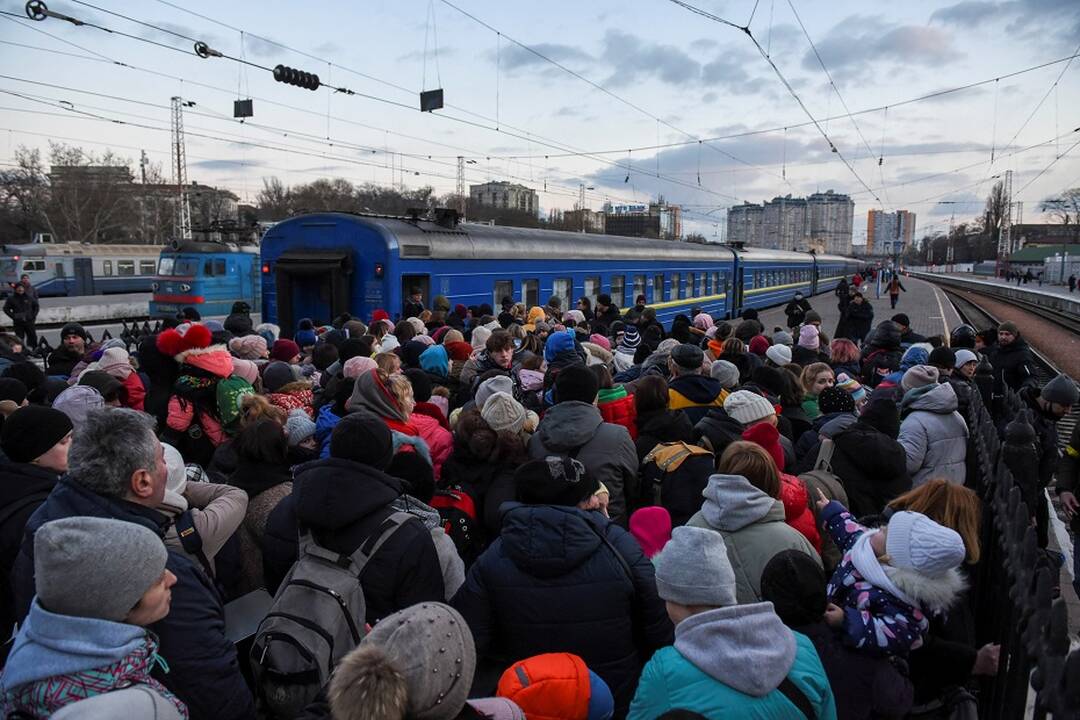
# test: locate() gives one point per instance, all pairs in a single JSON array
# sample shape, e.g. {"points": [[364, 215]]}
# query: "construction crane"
{"points": [[179, 168]]}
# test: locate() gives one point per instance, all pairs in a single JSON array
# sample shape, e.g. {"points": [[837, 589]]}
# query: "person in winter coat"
{"points": [[160, 371], [808, 348], [574, 427], [859, 319], [115, 361], [213, 511], [723, 426], [117, 471], [23, 308], [793, 491], [908, 336], [239, 321], [99, 584], [796, 311], [655, 422], [689, 390], [626, 349], [374, 394], [74, 344], [844, 357], [498, 354], [932, 432], [895, 286], [556, 565], [35, 441], [607, 314], [439, 441], [869, 461], [343, 500], [890, 579], [706, 670], [1014, 366], [815, 378], [262, 472], [615, 401], [837, 408], [742, 504], [864, 687]]}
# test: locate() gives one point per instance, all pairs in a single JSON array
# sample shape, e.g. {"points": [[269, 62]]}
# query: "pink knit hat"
{"points": [[651, 527], [598, 339], [245, 369], [356, 366], [808, 337]]}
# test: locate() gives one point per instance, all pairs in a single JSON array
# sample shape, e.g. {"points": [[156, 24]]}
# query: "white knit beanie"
{"points": [[779, 354], [747, 407], [917, 542]]}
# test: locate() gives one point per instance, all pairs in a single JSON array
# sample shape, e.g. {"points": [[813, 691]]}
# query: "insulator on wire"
{"points": [[299, 78], [205, 51]]}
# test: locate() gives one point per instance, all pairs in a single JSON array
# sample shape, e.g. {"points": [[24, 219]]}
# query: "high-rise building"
{"points": [[505, 195], [889, 233], [821, 222], [655, 220]]}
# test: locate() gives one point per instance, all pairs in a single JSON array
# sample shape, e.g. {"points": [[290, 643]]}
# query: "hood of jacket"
{"points": [[49, 644], [426, 513], [19, 480], [938, 398], [934, 594], [370, 394], [548, 540], [732, 503], [746, 647], [569, 425], [666, 423], [696, 388], [836, 423], [333, 493]]}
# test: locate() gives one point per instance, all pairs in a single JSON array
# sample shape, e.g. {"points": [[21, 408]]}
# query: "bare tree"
{"points": [[1065, 208], [24, 196], [273, 200], [156, 206], [996, 206], [92, 197]]}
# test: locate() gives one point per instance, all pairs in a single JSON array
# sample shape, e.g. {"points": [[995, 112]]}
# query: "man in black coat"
{"points": [[1068, 489], [908, 336], [869, 461], [860, 317], [239, 322], [562, 578], [1014, 366], [343, 500], [35, 440], [74, 344], [116, 470], [414, 306], [607, 312], [22, 308]]}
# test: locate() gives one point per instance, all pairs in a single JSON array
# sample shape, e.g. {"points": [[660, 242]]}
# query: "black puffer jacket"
{"points": [[661, 427], [23, 487], [719, 428], [550, 584], [872, 466], [489, 484], [239, 321], [1014, 366], [343, 503]]}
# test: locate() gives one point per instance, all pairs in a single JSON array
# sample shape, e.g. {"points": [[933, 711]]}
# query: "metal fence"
{"points": [[1014, 588], [131, 332]]}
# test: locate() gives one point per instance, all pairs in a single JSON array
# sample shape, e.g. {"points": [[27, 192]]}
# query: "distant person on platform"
{"points": [[895, 286], [1072, 282], [796, 310], [22, 308], [414, 306]]}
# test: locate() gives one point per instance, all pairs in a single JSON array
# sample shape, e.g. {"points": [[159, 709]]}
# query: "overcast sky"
{"points": [[657, 60]]}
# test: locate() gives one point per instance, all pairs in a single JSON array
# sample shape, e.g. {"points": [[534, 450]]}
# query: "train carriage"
{"points": [[208, 276], [75, 269]]}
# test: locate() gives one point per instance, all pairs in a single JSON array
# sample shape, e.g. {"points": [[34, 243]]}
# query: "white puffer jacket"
{"points": [[934, 434]]}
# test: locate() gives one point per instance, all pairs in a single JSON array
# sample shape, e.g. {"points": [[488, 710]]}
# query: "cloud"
{"points": [[514, 57], [858, 41], [709, 97], [636, 60], [226, 164], [444, 52], [258, 47], [703, 44], [728, 71], [1056, 20]]}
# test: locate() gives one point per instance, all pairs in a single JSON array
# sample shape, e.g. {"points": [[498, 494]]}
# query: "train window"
{"points": [[658, 288], [503, 288], [618, 290], [676, 286], [208, 268], [165, 267], [219, 267], [701, 285], [125, 267], [689, 285], [563, 288], [106, 267], [146, 267], [530, 292], [33, 265], [639, 286], [592, 289]]}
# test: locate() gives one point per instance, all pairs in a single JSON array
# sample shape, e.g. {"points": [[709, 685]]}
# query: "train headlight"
{"points": [[185, 287], [155, 287]]}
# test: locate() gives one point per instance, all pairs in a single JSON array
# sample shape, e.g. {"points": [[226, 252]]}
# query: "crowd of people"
{"points": [[502, 513]]}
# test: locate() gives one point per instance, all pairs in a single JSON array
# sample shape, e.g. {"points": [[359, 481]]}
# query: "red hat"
{"points": [[459, 350], [549, 686], [759, 345], [767, 437], [651, 527], [379, 314], [179, 342], [461, 311], [284, 350]]}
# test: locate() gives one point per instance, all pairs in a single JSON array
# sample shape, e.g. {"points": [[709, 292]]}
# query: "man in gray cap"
{"points": [[689, 390], [728, 660], [1047, 407]]}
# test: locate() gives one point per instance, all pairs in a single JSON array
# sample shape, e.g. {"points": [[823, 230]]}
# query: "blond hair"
{"points": [[953, 506]]}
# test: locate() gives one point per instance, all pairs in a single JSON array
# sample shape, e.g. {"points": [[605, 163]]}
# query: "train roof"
{"points": [[83, 249], [836, 258], [427, 239], [753, 254], [205, 246]]}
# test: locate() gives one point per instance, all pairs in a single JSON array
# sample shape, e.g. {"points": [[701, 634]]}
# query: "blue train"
{"points": [[208, 276], [323, 264], [57, 269]]}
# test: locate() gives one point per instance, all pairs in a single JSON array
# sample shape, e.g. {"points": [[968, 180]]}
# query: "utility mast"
{"points": [[1005, 247], [461, 186], [179, 169]]}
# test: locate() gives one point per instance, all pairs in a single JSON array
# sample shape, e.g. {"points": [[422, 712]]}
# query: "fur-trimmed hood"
{"points": [[933, 594]]}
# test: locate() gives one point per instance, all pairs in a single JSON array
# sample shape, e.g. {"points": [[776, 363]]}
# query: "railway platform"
{"points": [[926, 306]]}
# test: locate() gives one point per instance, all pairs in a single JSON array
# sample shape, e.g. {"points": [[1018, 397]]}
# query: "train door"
{"points": [[816, 278], [737, 291], [312, 285], [408, 284], [83, 270]]}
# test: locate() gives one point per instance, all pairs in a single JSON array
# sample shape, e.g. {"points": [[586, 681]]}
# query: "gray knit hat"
{"points": [[919, 376], [431, 645], [915, 541], [694, 569], [95, 567], [503, 413], [299, 427], [748, 407], [499, 383], [725, 373], [781, 337], [1061, 390]]}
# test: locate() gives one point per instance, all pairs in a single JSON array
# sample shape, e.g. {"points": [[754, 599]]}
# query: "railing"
{"points": [[1014, 587], [131, 334]]}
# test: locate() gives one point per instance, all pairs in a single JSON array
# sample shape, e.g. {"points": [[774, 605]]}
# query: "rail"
{"points": [[1014, 586], [1061, 309]]}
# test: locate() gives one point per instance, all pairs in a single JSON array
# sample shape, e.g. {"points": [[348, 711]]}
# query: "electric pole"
{"points": [[179, 168]]}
